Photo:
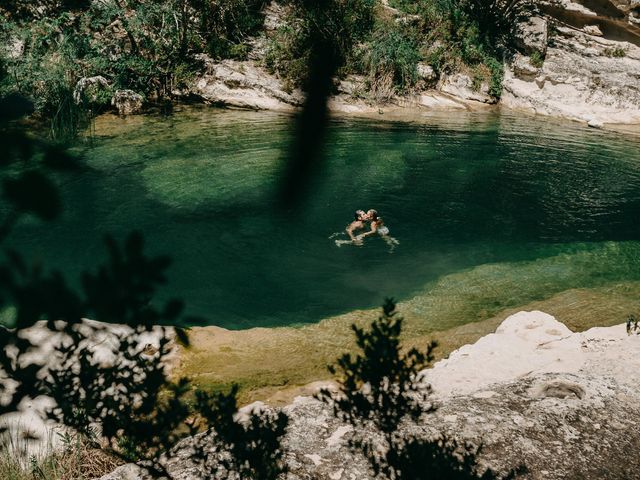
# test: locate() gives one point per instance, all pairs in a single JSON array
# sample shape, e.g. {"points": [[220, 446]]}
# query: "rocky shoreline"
{"points": [[565, 404], [575, 62]]}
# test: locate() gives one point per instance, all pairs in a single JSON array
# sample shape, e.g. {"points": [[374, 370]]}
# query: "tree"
{"points": [[380, 389], [253, 444]]}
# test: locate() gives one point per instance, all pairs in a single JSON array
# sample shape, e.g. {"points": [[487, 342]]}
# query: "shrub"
{"points": [[225, 24], [616, 52], [288, 55], [143, 46], [389, 60], [338, 25], [536, 59], [122, 386], [476, 35], [380, 388]]}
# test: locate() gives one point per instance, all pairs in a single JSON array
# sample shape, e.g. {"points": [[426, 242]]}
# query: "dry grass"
{"points": [[20, 459]]}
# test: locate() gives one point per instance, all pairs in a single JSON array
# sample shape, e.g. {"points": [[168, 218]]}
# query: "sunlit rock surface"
{"points": [[591, 71], [30, 420], [567, 405]]}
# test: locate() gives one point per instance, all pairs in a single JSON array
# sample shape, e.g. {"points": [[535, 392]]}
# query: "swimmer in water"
{"points": [[378, 227], [357, 224]]}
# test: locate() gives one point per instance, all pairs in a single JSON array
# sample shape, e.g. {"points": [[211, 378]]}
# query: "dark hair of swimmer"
{"points": [[358, 214]]}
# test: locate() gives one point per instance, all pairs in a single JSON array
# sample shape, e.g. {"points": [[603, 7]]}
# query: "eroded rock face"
{"points": [[567, 405], [584, 77], [591, 71], [242, 84], [461, 86], [531, 36]]}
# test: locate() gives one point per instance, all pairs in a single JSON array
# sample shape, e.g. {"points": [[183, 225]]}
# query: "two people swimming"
{"points": [[376, 224], [360, 219]]}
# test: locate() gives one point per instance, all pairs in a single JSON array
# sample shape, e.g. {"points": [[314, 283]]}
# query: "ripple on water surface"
{"points": [[549, 205]]}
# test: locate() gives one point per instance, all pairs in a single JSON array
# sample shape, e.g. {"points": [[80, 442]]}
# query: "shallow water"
{"points": [[536, 206]]}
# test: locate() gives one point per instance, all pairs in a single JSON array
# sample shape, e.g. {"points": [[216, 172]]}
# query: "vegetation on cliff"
{"points": [[470, 36], [152, 47], [145, 46]]}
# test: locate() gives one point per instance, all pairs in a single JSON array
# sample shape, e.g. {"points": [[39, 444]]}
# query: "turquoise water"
{"points": [[458, 191]]}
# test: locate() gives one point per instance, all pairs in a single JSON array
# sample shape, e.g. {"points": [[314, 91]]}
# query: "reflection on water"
{"points": [[458, 192]]}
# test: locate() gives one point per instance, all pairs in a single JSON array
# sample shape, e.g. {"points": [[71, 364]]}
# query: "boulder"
{"points": [[461, 86], [14, 48], [426, 72], [86, 82], [127, 102], [592, 30], [241, 84]]}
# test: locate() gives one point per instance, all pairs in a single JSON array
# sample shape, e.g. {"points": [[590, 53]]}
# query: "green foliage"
{"points": [[469, 36], [140, 411], [288, 55], [146, 46], [393, 388], [390, 59], [336, 25], [536, 59], [225, 24], [254, 445], [616, 52], [379, 389]]}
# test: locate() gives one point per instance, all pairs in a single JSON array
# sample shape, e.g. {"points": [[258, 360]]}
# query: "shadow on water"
{"points": [[457, 192]]}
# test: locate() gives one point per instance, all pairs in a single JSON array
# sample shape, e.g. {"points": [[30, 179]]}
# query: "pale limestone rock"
{"points": [[461, 86], [592, 30], [274, 14], [353, 85], [579, 80], [127, 102], [85, 83], [242, 84], [426, 72], [533, 392], [125, 472], [14, 48], [522, 67], [531, 36], [100, 338]]}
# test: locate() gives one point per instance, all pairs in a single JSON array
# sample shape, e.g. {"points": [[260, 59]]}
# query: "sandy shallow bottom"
{"points": [[275, 365]]}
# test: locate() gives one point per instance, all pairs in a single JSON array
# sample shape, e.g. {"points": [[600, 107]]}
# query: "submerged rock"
{"points": [[567, 405]]}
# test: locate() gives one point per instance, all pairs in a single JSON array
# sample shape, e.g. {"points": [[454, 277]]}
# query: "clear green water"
{"points": [[550, 206]]}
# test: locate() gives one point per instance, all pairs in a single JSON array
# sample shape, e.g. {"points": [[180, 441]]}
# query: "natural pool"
{"points": [[523, 208]]}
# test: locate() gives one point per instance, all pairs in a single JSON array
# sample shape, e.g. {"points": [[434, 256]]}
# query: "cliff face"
{"points": [[565, 404], [591, 69]]}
